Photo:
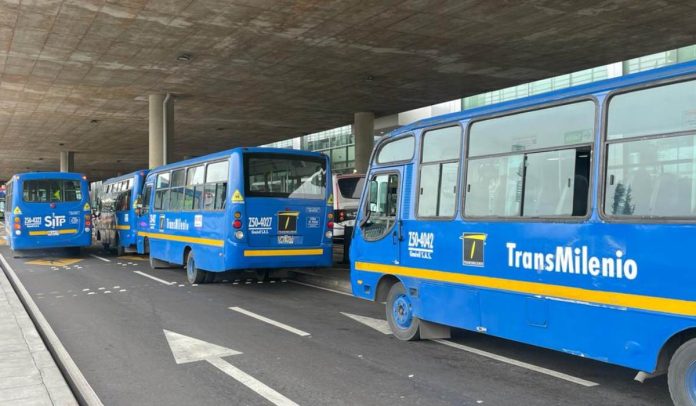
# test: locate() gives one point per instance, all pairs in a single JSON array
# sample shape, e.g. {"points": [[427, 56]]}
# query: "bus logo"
{"points": [[473, 245], [287, 221], [54, 221]]}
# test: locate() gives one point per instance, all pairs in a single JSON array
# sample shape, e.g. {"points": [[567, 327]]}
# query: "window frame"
{"points": [[205, 183], [459, 160], [604, 146], [386, 142], [541, 106], [385, 171]]}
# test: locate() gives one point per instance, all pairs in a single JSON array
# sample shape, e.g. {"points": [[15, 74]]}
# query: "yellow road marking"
{"points": [[54, 261], [133, 258], [651, 303]]}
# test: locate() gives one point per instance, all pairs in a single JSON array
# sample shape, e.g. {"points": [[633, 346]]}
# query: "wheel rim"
{"points": [[191, 268], [691, 382], [402, 312]]}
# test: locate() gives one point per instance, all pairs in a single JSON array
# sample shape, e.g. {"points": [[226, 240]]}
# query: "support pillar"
{"points": [[67, 161], [156, 141], [364, 132]]}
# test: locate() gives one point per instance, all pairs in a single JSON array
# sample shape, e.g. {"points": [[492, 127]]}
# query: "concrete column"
{"points": [[67, 161], [156, 143], [364, 132], [168, 128]]}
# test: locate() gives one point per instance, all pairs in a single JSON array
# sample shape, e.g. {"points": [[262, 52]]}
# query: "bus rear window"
{"points": [[351, 188], [52, 190], [275, 175]]}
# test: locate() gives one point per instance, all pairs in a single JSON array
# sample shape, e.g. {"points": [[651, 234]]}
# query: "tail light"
{"points": [[330, 225], [237, 224]]}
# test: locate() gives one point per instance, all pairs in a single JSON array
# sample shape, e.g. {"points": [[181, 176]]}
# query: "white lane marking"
{"points": [[380, 325], [92, 293], [100, 258], [107, 291], [85, 290], [271, 322], [319, 287], [122, 290], [521, 364], [383, 327], [154, 278], [187, 349], [252, 383], [102, 288]]}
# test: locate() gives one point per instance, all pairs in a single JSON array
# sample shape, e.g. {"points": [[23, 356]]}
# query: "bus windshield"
{"points": [[276, 175], [52, 190]]}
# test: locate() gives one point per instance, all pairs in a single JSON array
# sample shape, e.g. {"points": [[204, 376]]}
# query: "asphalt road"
{"points": [[112, 321]]}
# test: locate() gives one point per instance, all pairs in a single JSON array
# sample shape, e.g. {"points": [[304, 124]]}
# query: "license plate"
{"points": [[287, 221], [53, 233]]}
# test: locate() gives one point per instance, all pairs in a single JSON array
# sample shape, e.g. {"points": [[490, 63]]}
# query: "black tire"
{"points": [[158, 264], [146, 246], [405, 328], [194, 274], [209, 277], [682, 373]]}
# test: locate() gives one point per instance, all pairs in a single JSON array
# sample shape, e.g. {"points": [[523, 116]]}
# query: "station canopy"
{"points": [[76, 74]]}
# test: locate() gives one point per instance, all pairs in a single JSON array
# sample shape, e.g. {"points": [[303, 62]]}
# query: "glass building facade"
{"points": [[339, 143]]}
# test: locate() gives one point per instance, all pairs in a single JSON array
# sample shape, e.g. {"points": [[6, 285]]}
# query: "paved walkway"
{"points": [[28, 374]]}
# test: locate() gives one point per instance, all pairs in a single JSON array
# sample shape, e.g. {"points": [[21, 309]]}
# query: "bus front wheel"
{"points": [[193, 273], [681, 375], [399, 309]]}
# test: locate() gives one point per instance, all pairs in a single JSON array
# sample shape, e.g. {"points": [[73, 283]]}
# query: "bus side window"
{"points": [[381, 207]]}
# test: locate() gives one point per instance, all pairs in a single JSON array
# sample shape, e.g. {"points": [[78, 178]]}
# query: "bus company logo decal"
{"points": [[198, 221], [421, 245], [54, 221], [32, 222], [473, 245], [573, 260], [177, 224], [153, 221]]}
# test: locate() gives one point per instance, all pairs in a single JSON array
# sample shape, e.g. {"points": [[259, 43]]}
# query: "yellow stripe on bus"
{"points": [[61, 232], [123, 227], [181, 238], [283, 252], [651, 303]]}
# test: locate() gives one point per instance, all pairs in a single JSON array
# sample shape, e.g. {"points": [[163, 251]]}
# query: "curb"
{"points": [[324, 280], [81, 389]]}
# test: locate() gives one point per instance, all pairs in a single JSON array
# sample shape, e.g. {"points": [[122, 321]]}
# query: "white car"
{"points": [[347, 190]]}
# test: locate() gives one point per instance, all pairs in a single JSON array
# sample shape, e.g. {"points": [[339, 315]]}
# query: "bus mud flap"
{"points": [[433, 331]]}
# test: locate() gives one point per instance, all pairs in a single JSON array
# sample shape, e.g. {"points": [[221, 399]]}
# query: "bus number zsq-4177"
{"points": [[258, 209], [116, 213], [565, 220], [48, 210]]}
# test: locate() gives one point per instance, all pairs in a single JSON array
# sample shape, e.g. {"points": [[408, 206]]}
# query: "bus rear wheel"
{"points": [[193, 273], [399, 309], [681, 375]]}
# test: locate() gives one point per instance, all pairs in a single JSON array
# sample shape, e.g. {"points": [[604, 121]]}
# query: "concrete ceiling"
{"points": [[78, 72]]}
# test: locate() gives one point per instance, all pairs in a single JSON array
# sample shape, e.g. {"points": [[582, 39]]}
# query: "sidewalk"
{"points": [[28, 374]]}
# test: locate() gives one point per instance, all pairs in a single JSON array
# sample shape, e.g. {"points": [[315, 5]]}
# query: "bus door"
{"points": [[380, 224], [142, 217]]}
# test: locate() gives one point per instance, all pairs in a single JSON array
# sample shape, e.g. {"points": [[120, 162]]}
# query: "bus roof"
{"points": [[143, 172], [568, 92], [49, 175], [229, 152]]}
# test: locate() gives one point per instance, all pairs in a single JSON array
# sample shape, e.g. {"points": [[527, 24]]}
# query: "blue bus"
{"points": [[257, 209], [48, 210], [2, 202], [565, 220], [116, 213]]}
